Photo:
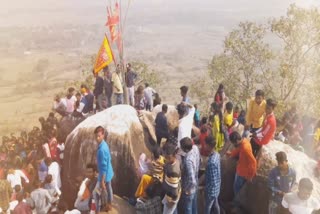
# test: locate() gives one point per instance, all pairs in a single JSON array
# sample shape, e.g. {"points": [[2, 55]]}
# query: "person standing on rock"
{"points": [[131, 76], [264, 135], [117, 85], [281, 179], [105, 171], [247, 164], [148, 95], [186, 114], [189, 178], [162, 130], [98, 91], [108, 90]]}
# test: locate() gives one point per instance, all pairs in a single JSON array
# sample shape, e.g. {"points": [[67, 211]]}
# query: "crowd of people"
{"points": [[184, 159]]}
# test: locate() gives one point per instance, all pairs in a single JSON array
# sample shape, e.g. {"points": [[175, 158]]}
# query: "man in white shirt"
{"points": [[148, 95], [301, 202], [186, 114], [54, 171], [14, 177]]}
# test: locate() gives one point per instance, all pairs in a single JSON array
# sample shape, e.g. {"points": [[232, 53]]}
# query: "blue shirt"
{"points": [[213, 176], [104, 162], [281, 183], [190, 170]]}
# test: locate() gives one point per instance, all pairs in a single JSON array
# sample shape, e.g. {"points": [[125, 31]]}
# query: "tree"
{"points": [[145, 74]]}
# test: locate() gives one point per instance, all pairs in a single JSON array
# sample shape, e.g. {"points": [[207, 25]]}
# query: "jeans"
{"points": [[131, 95], [169, 208], [109, 100], [101, 197], [238, 184], [255, 147], [119, 98], [190, 203], [82, 206], [212, 206]]}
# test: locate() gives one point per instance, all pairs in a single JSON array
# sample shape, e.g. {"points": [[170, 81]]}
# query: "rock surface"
{"points": [[126, 140]]}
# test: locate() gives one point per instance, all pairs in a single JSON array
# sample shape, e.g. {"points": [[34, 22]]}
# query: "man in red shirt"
{"points": [[264, 135]]}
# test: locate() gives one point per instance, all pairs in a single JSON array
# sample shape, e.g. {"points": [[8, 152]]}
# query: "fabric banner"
{"points": [[104, 57]]}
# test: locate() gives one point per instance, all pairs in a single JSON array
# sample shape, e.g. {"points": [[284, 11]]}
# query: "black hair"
{"points": [[99, 129], [184, 89], [164, 107], [272, 103], [306, 183], [281, 157], [234, 137], [259, 93], [92, 166], [204, 120], [157, 152], [146, 85], [170, 149], [217, 110], [210, 141], [182, 109], [186, 144], [78, 94], [71, 89], [203, 129], [229, 106]]}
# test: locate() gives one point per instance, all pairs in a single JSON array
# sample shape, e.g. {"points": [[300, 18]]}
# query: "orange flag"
{"points": [[105, 56]]}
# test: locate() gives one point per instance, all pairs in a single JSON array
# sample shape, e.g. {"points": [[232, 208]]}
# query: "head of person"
{"points": [[182, 110], [229, 107], [48, 161], [204, 120], [94, 73], [129, 67], [48, 179], [146, 85], [259, 96], [305, 188], [165, 108], [271, 105], [91, 171], [235, 138], [106, 70], [57, 98], [210, 143], [118, 69], [215, 107], [237, 109], [78, 96], [83, 90], [186, 144], [17, 188], [184, 90], [196, 106], [221, 88], [282, 161], [100, 134], [71, 91], [140, 89], [170, 151], [203, 130], [37, 183], [157, 153]]}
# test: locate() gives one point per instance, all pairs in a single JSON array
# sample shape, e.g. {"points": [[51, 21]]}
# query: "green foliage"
{"points": [[287, 69], [146, 74]]}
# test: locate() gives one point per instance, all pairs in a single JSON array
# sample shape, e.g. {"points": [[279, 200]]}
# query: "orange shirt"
{"points": [[247, 164]]}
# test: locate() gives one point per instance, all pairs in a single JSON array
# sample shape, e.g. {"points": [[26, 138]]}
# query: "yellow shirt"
{"points": [[228, 118], [117, 86], [256, 113], [316, 136]]}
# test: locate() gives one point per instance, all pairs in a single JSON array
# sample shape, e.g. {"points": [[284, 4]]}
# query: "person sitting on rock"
{"points": [[301, 201], [264, 135], [154, 174], [281, 179]]}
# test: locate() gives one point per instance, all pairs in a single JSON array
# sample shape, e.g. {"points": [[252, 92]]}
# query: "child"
{"points": [[236, 112], [172, 177], [197, 116], [228, 117], [217, 126]]}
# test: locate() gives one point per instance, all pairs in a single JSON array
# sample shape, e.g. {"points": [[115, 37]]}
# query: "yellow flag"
{"points": [[104, 57]]}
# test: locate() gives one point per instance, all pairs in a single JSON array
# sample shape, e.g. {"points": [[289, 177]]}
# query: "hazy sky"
{"points": [[43, 12]]}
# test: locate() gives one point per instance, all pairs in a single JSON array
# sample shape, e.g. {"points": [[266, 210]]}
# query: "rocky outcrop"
{"points": [[254, 197], [126, 140]]}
